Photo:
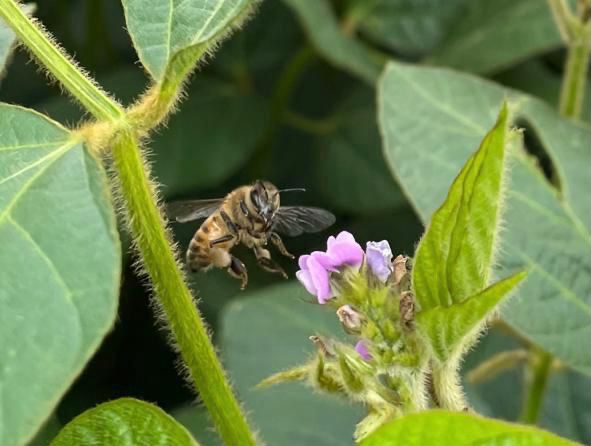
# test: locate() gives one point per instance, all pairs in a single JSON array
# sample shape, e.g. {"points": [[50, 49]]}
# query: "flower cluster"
{"points": [[370, 293]]}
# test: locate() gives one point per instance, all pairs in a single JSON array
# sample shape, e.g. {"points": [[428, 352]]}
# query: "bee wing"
{"points": [[295, 220], [189, 210]]}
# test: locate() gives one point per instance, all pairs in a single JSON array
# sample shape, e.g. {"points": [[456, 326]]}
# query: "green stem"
{"points": [[539, 371], [58, 64], [576, 34], [178, 306], [447, 385], [575, 76]]}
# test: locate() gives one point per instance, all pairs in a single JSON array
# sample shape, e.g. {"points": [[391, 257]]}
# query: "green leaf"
{"points": [[162, 31], [447, 326], [59, 266], [265, 332], [458, 429], [491, 35], [350, 168], [325, 33], [431, 119], [123, 422], [454, 258], [7, 39], [406, 26]]}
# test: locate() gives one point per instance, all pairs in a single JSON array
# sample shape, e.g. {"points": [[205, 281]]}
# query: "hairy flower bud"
{"points": [[351, 319], [400, 269], [324, 345], [361, 348], [407, 309]]}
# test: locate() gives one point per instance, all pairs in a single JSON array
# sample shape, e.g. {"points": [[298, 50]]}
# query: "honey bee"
{"points": [[249, 215]]}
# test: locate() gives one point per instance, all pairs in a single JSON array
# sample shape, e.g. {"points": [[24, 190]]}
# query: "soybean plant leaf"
{"points": [[454, 258], [266, 332], [447, 326], [351, 169], [59, 266], [459, 429], [162, 31], [493, 34], [341, 50], [122, 422], [406, 26], [431, 119], [7, 39], [217, 130]]}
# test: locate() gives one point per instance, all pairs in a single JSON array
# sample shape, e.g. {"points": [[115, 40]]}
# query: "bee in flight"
{"points": [[250, 215]]}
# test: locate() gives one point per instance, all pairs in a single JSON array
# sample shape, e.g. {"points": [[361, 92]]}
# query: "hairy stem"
{"points": [[187, 327], [539, 372], [58, 64], [447, 386]]}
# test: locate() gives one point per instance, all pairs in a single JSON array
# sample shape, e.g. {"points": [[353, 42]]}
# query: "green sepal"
{"points": [[446, 327]]}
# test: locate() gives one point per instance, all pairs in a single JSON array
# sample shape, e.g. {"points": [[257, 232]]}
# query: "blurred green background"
{"points": [[269, 105]]}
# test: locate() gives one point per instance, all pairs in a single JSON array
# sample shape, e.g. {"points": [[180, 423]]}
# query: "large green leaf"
{"points": [[341, 50], [454, 258], [124, 422], [350, 167], [162, 31], [431, 119], [459, 429], [409, 27], [446, 326], [492, 34], [59, 266], [265, 332]]}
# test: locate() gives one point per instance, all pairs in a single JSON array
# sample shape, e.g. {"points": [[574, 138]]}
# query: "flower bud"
{"points": [[324, 346], [351, 319], [407, 309], [400, 269], [361, 348]]}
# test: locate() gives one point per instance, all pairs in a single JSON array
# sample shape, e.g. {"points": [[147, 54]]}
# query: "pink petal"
{"points": [[303, 262], [306, 279], [346, 253], [320, 280], [326, 261]]}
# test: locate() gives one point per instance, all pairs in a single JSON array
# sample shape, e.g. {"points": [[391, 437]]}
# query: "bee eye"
{"points": [[255, 198]]}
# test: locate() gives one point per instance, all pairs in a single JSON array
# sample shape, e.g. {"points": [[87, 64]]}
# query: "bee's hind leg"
{"points": [[264, 259], [280, 246], [237, 270]]}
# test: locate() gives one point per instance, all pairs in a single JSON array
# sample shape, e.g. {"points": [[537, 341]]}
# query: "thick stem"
{"points": [[58, 64], [447, 386], [575, 75], [178, 307], [539, 371]]}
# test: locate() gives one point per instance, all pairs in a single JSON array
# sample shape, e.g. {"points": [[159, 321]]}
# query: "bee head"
{"points": [[264, 198]]}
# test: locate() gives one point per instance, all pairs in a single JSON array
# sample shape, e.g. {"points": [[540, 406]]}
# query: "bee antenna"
{"points": [[293, 189]]}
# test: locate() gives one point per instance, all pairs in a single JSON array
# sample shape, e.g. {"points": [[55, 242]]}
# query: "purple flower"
{"points": [[361, 348], [315, 268], [379, 259]]}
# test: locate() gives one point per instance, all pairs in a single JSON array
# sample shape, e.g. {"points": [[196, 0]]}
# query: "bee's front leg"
{"points": [[264, 259], [238, 270], [280, 246]]}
